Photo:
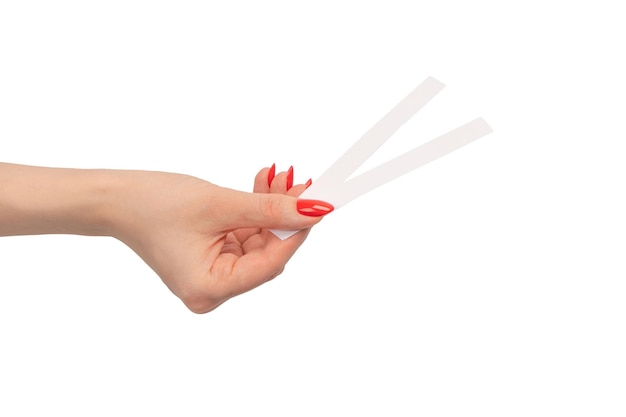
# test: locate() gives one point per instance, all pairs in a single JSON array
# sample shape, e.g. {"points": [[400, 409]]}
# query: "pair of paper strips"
{"points": [[334, 186]]}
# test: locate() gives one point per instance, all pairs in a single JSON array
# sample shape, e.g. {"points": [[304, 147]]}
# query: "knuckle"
{"points": [[197, 300], [199, 306], [277, 273], [271, 206]]}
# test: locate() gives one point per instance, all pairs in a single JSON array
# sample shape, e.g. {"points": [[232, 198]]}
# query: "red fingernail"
{"points": [[308, 183], [290, 178], [314, 208], [270, 175]]}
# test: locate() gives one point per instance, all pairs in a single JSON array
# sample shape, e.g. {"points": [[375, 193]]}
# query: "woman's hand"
{"points": [[207, 243]]}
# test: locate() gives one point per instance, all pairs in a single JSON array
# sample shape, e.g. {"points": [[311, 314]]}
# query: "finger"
{"points": [[297, 189], [236, 210], [284, 184], [282, 181], [232, 245], [262, 264], [244, 234], [262, 183], [263, 179]]}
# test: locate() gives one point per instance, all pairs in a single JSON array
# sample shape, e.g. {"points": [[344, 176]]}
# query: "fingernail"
{"points": [[270, 175], [290, 178], [308, 183], [314, 208]]}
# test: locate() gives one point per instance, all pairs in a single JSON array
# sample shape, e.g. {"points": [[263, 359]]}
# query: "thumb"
{"points": [[276, 211]]}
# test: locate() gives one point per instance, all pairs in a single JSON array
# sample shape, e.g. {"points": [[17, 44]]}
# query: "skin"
{"points": [[207, 243]]}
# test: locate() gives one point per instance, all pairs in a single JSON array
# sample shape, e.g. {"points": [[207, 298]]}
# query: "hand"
{"points": [[209, 243]]}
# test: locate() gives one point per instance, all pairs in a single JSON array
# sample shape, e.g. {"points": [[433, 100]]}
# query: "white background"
{"points": [[491, 282]]}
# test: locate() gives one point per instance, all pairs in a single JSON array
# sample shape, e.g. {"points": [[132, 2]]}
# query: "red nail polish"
{"points": [[270, 175], [314, 208], [290, 178], [308, 183]]}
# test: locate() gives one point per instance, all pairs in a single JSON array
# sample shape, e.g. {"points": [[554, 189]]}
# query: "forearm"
{"points": [[37, 200]]}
